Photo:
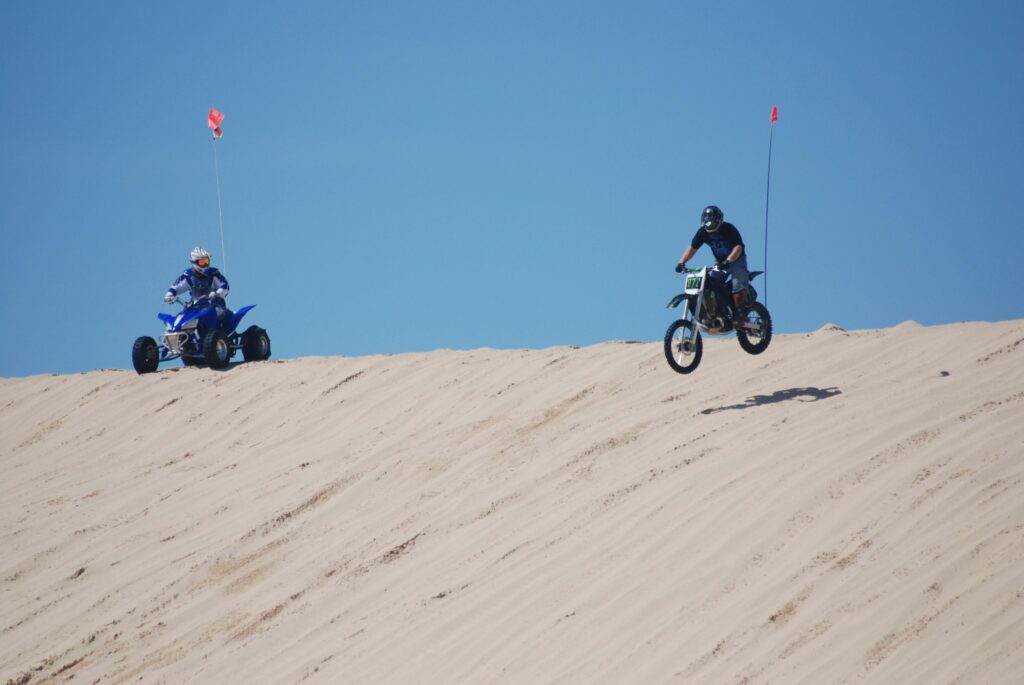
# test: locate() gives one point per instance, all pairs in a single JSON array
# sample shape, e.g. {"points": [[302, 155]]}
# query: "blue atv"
{"points": [[198, 339]]}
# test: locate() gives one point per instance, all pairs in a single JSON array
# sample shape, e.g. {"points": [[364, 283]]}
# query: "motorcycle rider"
{"points": [[201, 280], [726, 244]]}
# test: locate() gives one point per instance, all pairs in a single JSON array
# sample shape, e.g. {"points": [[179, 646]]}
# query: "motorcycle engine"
{"points": [[714, 318]]}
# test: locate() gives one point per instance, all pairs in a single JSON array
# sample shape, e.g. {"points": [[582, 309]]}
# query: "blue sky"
{"points": [[405, 176]]}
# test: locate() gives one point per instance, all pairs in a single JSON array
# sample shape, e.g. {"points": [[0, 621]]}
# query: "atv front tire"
{"points": [[216, 349], [145, 355]]}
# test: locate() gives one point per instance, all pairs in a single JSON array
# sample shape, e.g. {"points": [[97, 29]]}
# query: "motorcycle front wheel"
{"points": [[756, 332], [682, 353]]}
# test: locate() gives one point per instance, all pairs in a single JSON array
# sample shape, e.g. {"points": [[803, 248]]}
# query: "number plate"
{"points": [[693, 283]]}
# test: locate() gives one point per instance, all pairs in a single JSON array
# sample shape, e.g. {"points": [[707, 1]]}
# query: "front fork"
{"points": [[690, 315]]}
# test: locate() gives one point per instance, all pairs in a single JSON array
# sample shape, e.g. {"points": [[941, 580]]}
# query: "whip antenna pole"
{"points": [[213, 120], [767, 195], [220, 212]]}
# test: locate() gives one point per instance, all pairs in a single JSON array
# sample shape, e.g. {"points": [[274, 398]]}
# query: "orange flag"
{"points": [[213, 121]]}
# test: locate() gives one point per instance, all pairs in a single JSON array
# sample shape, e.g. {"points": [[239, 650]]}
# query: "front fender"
{"points": [[173, 322], [677, 300]]}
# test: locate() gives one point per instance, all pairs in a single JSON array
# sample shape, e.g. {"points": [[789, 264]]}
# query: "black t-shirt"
{"points": [[721, 241]]}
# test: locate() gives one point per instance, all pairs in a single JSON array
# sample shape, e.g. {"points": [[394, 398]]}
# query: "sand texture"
{"points": [[846, 508]]}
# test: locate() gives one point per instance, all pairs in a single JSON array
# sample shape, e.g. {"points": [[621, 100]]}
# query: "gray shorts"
{"points": [[740, 277]]}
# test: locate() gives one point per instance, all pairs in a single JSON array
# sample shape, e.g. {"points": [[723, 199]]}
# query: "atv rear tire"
{"points": [[682, 356], [255, 344], [145, 355], [216, 349], [756, 341]]}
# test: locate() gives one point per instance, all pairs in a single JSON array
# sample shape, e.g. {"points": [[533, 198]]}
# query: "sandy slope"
{"points": [[848, 507]]}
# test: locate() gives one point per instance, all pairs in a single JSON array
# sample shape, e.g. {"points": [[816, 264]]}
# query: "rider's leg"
{"points": [[740, 282]]}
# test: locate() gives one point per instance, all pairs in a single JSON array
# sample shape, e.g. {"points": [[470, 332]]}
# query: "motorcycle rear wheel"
{"points": [[755, 338], [683, 355]]}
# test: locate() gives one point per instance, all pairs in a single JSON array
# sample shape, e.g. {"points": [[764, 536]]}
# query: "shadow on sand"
{"points": [[800, 394], [201, 367]]}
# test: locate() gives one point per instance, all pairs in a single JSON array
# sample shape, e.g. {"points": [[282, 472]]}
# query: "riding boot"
{"points": [[740, 308]]}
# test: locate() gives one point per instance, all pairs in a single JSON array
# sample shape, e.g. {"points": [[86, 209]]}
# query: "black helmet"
{"points": [[711, 218]]}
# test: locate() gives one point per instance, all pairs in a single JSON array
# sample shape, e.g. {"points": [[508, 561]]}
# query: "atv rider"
{"points": [[726, 243], [202, 281]]}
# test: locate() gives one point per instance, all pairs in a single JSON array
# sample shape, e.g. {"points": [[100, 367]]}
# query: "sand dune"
{"points": [[846, 508]]}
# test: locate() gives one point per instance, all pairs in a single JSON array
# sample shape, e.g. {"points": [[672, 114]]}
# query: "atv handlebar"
{"points": [[208, 297]]}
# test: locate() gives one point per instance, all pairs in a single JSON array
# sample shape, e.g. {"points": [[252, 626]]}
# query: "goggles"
{"points": [[202, 262]]}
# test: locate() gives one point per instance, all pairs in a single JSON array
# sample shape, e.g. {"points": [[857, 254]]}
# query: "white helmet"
{"points": [[200, 259]]}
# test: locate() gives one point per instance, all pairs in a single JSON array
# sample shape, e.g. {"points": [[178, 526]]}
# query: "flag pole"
{"points": [[213, 120], [767, 195], [220, 211]]}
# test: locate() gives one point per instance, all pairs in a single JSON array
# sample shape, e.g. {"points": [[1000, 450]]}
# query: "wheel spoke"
{"points": [[682, 346]]}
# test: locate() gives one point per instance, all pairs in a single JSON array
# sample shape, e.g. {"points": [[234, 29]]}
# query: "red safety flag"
{"points": [[214, 122], [775, 113]]}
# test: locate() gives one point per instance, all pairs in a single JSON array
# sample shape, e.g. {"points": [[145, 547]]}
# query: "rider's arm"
{"points": [[699, 239], [179, 286], [736, 253], [220, 284]]}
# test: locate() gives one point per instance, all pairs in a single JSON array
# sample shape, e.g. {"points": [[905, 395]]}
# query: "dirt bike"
{"points": [[709, 310]]}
